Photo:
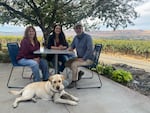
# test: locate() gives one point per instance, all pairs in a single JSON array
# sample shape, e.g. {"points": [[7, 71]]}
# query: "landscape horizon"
{"points": [[118, 34]]}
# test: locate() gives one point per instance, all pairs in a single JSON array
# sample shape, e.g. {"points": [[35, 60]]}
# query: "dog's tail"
{"points": [[16, 92]]}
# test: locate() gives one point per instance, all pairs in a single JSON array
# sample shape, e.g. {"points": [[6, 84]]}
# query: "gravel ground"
{"points": [[141, 78], [139, 68], [113, 59]]}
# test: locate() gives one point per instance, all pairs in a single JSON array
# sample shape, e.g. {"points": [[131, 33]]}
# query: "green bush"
{"points": [[108, 70], [4, 57], [121, 76], [0, 46], [104, 69], [99, 69]]}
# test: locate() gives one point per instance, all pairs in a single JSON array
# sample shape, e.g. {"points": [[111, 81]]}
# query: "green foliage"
{"points": [[44, 13], [99, 68], [6, 39], [69, 40], [121, 76], [104, 69], [4, 57], [108, 70], [128, 47], [0, 46]]}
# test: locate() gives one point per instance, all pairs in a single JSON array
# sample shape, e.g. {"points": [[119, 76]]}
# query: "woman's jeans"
{"points": [[43, 65], [62, 60]]}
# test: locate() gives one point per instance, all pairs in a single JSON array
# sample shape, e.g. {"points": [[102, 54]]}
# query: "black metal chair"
{"points": [[97, 51], [13, 49]]}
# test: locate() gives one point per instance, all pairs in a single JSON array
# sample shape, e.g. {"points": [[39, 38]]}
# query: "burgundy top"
{"points": [[26, 49]]}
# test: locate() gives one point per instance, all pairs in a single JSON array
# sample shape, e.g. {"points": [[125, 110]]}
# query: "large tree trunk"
{"points": [[45, 36]]}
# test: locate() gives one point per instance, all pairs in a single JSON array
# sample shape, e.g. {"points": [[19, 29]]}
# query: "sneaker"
{"points": [[71, 85], [80, 74]]}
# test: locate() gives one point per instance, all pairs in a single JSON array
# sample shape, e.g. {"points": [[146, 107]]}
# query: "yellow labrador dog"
{"points": [[51, 89]]}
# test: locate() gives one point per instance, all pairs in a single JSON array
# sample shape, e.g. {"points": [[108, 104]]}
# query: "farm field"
{"points": [[132, 48]]}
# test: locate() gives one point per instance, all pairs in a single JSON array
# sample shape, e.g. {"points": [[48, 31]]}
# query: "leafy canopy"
{"points": [[44, 13]]}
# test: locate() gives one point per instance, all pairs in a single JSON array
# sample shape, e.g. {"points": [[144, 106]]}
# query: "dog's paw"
{"points": [[34, 100], [76, 99], [15, 105], [73, 103]]}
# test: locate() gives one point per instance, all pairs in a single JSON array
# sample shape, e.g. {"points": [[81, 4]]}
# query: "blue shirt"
{"points": [[83, 45]]}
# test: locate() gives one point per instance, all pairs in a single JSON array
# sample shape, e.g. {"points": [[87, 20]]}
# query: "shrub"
{"points": [[108, 70], [121, 76], [104, 69], [99, 69], [0, 46], [4, 57]]}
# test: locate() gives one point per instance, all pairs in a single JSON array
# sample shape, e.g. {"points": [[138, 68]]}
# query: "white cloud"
{"points": [[143, 21], [144, 9]]}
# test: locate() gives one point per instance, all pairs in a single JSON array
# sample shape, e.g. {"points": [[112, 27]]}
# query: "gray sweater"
{"points": [[83, 45]]}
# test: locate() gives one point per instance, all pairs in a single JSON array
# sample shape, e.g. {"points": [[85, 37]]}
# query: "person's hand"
{"points": [[37, 59], [61, 47], [70, 49], [80, 59]]}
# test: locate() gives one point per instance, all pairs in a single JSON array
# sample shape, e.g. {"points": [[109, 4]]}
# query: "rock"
{"points": [[141, 82]]}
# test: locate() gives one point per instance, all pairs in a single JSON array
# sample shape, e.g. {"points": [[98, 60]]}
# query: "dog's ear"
{"points": [[62, 77], [50, 78]]}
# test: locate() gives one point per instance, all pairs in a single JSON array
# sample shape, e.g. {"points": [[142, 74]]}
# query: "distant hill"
{"points": [[118, 34]]}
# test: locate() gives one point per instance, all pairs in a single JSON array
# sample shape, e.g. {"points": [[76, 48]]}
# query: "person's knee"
{"points": [[34, 64], [74, 64], [43, 62]]}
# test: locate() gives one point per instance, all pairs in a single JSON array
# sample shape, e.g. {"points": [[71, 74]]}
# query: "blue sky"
{"points": [[142, 23]]}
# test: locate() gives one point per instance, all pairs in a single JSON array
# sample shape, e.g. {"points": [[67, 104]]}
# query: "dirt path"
{"points": [[112, 59]]}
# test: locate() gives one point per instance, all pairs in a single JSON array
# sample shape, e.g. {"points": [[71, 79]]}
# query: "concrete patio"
{"points": [[111, 98]]}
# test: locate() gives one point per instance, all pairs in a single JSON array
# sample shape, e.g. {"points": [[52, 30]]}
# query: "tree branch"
{"points": [[53, 13], [11, 10], [37, 13]]}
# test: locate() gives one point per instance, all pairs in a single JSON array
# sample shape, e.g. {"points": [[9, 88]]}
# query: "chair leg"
{"points": [[99, 86], [9, 80], [24, 76]]}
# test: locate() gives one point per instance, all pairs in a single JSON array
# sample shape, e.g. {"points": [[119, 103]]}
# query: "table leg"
{"points": [[56, 63]]}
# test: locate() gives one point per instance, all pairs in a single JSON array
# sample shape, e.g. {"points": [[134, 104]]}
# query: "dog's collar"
{"points": [[55, 91]]}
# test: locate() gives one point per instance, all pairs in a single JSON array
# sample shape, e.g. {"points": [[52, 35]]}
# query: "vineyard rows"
{"points": [[128, 47]]}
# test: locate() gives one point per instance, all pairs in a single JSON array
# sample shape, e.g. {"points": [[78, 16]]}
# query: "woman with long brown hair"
{"points": [[57, 40], [26, 57]]}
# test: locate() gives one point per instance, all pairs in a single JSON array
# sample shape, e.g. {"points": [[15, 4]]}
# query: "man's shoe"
{"points": [[45, 79], [80, 74], [72, 84]]}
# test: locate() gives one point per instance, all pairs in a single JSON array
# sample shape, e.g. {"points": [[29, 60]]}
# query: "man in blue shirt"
{"points": [[82, 42]]}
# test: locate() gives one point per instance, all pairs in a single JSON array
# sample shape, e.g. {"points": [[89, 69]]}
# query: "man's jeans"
{"points": [[43, 65]]}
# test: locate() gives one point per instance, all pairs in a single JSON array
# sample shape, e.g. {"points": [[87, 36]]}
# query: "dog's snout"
{"points": [[57, 87]]}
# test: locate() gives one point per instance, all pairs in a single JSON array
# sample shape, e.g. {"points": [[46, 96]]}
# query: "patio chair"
{"points": [[97, 51], [13, 49]]}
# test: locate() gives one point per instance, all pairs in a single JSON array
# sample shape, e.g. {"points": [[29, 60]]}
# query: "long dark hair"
{"points": [[27, 30], [62, 37]]}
